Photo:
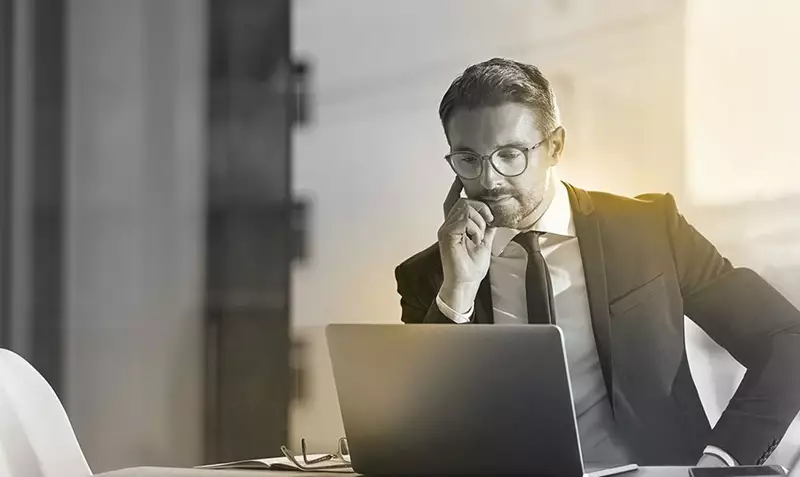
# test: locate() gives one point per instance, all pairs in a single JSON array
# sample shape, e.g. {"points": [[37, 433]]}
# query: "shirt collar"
{"points": [[556, 220]]}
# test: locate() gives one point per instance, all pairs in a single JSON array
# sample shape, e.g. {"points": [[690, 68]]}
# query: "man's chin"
{"points": [[504, 218], [508, 216], [507, 213]]}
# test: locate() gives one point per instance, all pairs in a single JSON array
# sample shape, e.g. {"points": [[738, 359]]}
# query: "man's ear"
{"points": [[556, 144]]}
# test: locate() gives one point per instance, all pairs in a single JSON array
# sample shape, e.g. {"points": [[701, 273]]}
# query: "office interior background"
{"points": [[192, 189]]}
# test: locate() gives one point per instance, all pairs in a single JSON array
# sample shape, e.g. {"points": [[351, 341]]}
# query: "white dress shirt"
{"points": [[600, 443]]}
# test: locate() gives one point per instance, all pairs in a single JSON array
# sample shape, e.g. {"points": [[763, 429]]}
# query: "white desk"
{"points": [[173, 472], [169, 472]]}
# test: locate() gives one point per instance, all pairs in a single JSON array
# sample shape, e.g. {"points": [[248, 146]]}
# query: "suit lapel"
{"points": [[587, 228]]}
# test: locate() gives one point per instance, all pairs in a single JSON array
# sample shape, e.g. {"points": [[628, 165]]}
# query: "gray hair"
{"points": [[498, 81]]}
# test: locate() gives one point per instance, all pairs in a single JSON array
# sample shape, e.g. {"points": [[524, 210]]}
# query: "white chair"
{"points": [[36, 437]]}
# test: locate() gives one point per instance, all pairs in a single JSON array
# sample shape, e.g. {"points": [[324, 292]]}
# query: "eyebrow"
{"points": [[496, 146]]}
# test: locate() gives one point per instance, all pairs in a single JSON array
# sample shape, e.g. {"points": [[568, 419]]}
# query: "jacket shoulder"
{"points": [[651, 204], [425, 261], [607, 199]]}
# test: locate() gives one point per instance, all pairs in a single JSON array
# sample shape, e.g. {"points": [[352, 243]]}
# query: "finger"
{"points": [[482, 209], [453, 195], [456, 222], [474, 231], [458, 213], [476, 217]]}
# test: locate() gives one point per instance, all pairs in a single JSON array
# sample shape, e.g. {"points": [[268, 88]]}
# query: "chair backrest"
{"points": [[36, 437]]}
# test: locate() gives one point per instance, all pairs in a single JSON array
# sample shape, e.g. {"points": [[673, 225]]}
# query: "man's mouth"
{"points": [[495, 200]]}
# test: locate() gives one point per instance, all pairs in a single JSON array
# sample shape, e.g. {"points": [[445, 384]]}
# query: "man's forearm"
{"points": [[766, 403], [761, 329]]}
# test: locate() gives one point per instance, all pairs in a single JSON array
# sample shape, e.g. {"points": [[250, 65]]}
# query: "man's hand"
{"points": [[465, 244]]}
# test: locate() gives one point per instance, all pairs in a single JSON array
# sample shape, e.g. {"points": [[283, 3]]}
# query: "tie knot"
{"points": [[529, 241]]}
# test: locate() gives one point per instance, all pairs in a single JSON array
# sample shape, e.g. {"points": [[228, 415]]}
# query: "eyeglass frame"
{"points": [[524, 150], [342, 450]]}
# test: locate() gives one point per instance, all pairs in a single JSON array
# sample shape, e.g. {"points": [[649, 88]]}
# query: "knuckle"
{"points": [[454, 207]]}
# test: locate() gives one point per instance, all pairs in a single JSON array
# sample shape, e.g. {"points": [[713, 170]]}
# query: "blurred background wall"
{"points": [[134, 241], [693, 97]]}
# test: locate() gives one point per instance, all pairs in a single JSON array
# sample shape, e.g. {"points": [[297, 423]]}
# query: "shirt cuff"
{"points": [[717, 452], [453, 314]]}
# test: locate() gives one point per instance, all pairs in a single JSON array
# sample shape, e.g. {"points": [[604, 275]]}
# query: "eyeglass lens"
{"points": [[507, 161]]}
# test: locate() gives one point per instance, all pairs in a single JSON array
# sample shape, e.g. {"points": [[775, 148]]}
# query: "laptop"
{"points": [[444, 399]]}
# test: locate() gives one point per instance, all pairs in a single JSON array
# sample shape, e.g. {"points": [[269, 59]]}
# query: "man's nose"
{"points": [[490, 179]]}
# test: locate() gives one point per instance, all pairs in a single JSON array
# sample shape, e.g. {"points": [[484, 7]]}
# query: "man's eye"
{"points": [[509, 154]]}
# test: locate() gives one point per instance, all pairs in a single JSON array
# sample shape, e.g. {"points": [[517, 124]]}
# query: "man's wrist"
{"points": [[453, 315], [711, 460], [720, 455], [459, 297]]}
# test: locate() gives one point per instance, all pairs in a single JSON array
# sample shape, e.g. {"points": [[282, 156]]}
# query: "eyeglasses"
{"points": [[508, 161], [338, 460]]}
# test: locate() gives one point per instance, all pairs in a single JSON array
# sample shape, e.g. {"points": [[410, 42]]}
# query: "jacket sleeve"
{"points": [[415, 309], [758, 326]]}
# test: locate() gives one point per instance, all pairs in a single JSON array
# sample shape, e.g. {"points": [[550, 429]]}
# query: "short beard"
{"points": [[526, 204]]}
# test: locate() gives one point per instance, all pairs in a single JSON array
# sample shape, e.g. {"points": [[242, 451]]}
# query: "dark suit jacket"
{"points": [[645, 268]]}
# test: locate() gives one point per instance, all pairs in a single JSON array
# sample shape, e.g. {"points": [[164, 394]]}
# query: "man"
{"points": [[616, 274]]}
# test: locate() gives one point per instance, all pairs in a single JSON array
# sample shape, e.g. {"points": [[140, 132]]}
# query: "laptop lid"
{"points": [[444, 399]]}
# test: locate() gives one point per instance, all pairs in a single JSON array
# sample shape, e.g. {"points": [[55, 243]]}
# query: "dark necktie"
{"points": [[538, 288]]}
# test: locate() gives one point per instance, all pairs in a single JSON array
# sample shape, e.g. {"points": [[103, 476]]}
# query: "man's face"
{"points": [[484, 130]]}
